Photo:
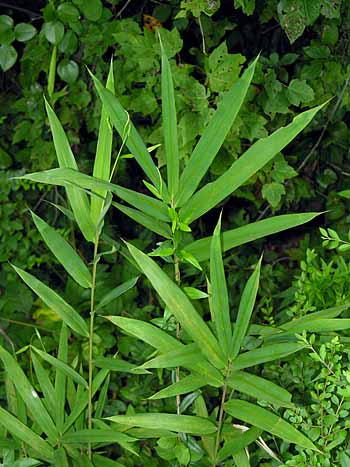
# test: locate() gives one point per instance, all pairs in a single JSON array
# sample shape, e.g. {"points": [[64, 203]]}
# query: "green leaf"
{"points": [[54, 31], [194, 294], [219, 298], [241, 458], [116, 364], [65, 254], [69, 177], [248, 233], [169, 125], [101, 461], [264, 354], [299, 92], [29, 395], [61, 379], [259, 388], [60, 457], [117, 292], [55, 302], [245, 310], [147, 333], [63, 367], [233, 446], [96, 436], [242, 169], [120, 120], [159, 227], [344, 460], [267, 421], [273, 193], [180, 306], [68, 12], [91, 9], [102, 164], [177, 423], [77, 198], [8, 56], [213, 137], [21, 431], [45, 385], [184, 386], [68, 71], [24, 32]]}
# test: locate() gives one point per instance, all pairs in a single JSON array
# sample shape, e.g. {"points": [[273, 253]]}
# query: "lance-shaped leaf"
{"points": [[184, 386], [178, 303], [159, 227], [177, 423], [55, 302], [71, 177], [117, 292], [245, 309], [21, 431], [121, 121], [102, 164], [146, 332], [219, 298], [29, 395], [61, 387], [45, 385], [65, 254], [117, 364], [247, 233], [77, 198], [259, 388], [266, 353], [241, 458], [63, 367], [239, 442], [169, 125], [96, 436], [185, 356], [267, 421], [213, 136], [101, 461], [259, 154]]}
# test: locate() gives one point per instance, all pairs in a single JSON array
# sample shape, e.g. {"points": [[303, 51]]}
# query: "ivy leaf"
{"points": [[273, 192], [8, 56], [295, 15], [299, 91], [223, 68]]}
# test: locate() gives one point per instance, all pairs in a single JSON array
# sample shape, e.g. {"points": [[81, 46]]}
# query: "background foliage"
{"points": [[304, 47]]}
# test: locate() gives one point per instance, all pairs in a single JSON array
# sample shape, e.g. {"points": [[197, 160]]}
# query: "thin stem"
{"points": [[222, 412], [91, 335], [178, 329]]}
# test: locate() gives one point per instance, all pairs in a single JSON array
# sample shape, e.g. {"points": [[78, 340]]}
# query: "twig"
{"points": [[30, 13], [123, 8], [202, 34]]}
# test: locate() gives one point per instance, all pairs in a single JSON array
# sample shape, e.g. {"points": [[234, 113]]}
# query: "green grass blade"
{"points": [[184, 386], [21, 431], [63, 367], [102, 399], [267, 421], [55, 302], [219, 298], [241, 459], [259, 388], [65, 254], [120, 120], [117, 292], [245, 310], [61, 379], [29, 395], [185, 356], [102, 164], [45, 384], [264, 354], [159, 227], [258, 155], [247, 233], [101, 461], [70, 177], [238, 443], [169, 125], [180, 306], [78, 199], [213, 136], [177, 423]]}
